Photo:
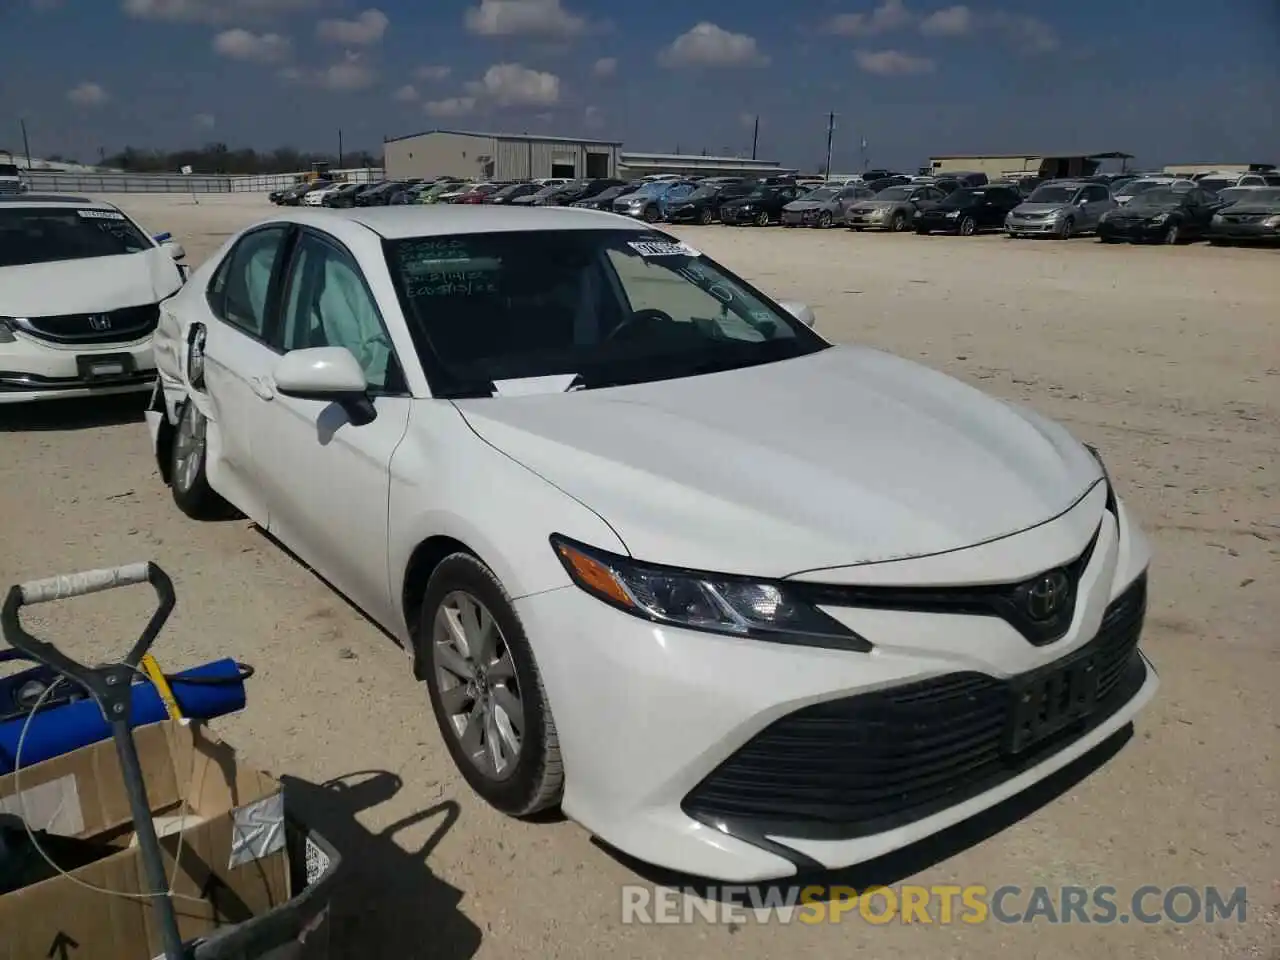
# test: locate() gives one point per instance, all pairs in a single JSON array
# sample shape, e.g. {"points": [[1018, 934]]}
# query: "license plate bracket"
{"points": [[105, 366], [1049, 701]]}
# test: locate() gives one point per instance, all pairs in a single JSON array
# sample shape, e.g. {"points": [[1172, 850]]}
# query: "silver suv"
{"points": [[1061, 209]]}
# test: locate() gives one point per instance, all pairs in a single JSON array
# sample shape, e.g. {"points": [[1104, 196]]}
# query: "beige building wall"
{"points": [[1191, 169], [438, 155], [992, 166]]}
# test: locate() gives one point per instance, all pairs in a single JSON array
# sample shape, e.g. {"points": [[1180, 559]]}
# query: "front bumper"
{"points": [[33, 369], [1141, 230], [681, 747], [938, 224], [1255, 231], [1026, 227]]}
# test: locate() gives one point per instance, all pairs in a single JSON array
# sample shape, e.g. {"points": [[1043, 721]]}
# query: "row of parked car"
{"points": [[1219, 207]]}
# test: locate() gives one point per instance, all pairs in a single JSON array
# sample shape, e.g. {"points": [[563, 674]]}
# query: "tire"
{"points": [[650, 215], [533, 779], [761, 219], [1065, 231], [824, 219], [704, 216], [187, 478], [1172, 235], [968, 227], [898, 223]]}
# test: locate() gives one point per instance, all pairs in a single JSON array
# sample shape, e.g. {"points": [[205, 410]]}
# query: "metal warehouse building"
{"points": [[1044, 164], [498, 156], [691, 165]]}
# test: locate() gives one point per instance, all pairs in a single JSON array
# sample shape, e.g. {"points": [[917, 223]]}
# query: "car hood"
{"points": [[1040, 207], [797, 206], [1244, 206], [90, 285], [846, 456]]}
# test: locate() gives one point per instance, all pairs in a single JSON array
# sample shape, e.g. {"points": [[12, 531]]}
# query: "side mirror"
{"points": [[801, 311], [326, 373], [176, 251]]}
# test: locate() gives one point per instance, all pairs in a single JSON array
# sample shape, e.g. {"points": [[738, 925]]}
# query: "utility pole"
{"points": [[26, 146], [864, 153], [831, 130], [339, 149], [755, 137]]}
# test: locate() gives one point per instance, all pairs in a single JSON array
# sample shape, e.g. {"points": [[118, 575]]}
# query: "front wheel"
{"points": [[968, 227], [485, 689], [824, 219], [1067, 228], [762, 219], [704, 216], [187, 464], [899, 222], [1172, 234], [650, 215]]}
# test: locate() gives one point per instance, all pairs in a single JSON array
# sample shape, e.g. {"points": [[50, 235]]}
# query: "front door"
{"points": [[326, 480]]}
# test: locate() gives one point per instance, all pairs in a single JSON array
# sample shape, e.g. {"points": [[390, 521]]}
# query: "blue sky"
{"points": [[1168, 80]]}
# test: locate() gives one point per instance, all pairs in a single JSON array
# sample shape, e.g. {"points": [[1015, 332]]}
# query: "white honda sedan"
{"points": [[740, 601], [80, 285]]}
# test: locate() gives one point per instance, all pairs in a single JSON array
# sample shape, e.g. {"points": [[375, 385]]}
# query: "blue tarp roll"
{"points": [[68, 727]]}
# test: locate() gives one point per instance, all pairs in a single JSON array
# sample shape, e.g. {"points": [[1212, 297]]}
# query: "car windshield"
{"points": [[1049, 194], [962, 196], [1214, 184], [821, 194], [1251, 195], [610, 306], [894, 193], [548, 191], [1136, 187], [760, 193], [1162, 196], [48, 234], [8, 169], [702, 193], [610, 193]]}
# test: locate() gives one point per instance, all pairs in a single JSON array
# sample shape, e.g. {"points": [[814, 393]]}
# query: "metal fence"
{"points": [[50, 181]]}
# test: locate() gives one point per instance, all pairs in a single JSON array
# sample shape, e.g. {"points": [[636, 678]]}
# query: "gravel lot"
{"points": [[1166, 358]]}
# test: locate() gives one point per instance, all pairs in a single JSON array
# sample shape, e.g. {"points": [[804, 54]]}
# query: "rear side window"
{"points": [[239, 289]]}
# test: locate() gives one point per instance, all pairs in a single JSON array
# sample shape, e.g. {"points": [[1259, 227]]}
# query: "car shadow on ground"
{"points": [[77, 414], [896, 867], [387, 902]]}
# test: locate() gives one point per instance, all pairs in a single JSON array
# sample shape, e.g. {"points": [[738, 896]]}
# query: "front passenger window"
{"points": [[327, 304]]}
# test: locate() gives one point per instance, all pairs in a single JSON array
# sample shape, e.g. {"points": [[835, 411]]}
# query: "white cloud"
{"points": [[954, 21], [406, 94], [533, 18], [515, 85], [241, 44], [204, 121], [450, 107], [1028, 35], [893, 63], [605, 67], [366, 29], [593, 117], [215, 11], [88, 94], [890, 15], [708, 45], [432, 72], [349, 73]]}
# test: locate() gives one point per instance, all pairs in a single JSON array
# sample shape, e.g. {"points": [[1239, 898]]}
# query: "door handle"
{"points": [[262, 387]]}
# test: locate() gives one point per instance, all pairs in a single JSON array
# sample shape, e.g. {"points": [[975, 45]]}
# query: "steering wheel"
{"points": [[638, 316]]}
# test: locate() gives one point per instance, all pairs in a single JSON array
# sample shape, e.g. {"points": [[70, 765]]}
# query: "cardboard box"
{"points": [[232, 862]]}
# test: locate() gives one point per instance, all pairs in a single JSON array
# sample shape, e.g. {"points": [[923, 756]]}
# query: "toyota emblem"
{"points": [[1047, 595]]}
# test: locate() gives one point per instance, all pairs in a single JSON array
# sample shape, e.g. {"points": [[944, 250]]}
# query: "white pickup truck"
{"points": [[10, 179]]}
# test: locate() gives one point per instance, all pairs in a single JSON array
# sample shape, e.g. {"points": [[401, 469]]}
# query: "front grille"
{"points": [[10, 186], [112, 326], [860, 765], [1245, 217]]}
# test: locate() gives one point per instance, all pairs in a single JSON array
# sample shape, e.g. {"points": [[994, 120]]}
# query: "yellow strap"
{"points": [[151, 667]]}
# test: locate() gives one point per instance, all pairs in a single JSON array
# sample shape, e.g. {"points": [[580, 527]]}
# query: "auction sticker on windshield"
{"points": [[100, 214], [662, 248]]}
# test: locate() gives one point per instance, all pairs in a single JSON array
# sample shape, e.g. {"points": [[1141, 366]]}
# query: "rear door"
{"points": [[235, 315]]}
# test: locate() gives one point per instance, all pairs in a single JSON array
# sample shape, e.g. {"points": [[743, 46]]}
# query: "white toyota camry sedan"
{"points": [[742, 602], [80, 284]]}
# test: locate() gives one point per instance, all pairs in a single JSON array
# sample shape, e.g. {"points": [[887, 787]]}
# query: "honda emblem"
{"points": [[100, 321]]}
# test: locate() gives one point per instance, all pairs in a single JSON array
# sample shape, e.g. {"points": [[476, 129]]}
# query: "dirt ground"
{"points": [[1168, 359]]}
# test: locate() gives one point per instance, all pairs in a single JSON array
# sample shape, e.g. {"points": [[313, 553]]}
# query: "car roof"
{"points": [[408, 220], [56, 200]]}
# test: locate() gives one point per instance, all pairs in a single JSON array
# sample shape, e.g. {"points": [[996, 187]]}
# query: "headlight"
{"points": [[1271, 222], [6, 330], [1160, 218], [1217, 218], [716, 603], [952, 214]]}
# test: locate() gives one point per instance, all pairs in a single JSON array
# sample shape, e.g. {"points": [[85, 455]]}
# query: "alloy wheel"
{"points": [[1171, 234], [189, 446], [478, 686], [824, 219], [968, 227]]}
